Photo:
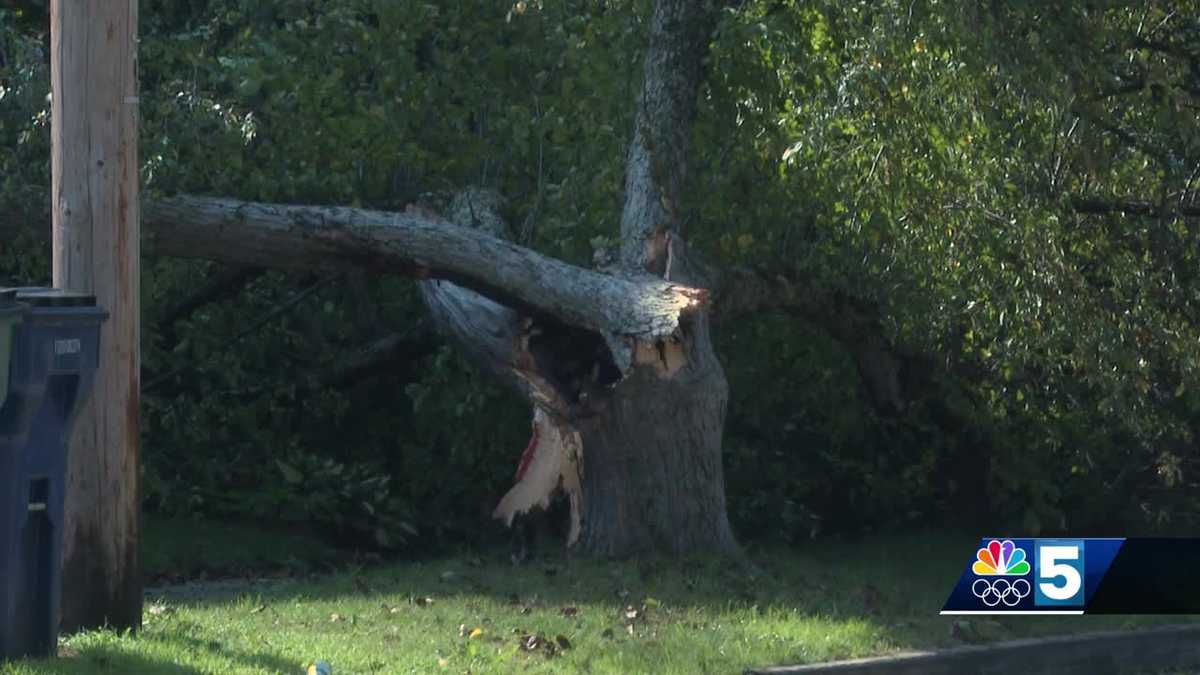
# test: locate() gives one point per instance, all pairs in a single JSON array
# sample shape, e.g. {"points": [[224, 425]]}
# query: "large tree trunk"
{"points": [[629, 426], [637, 450], [654, 478], [629, 399]]}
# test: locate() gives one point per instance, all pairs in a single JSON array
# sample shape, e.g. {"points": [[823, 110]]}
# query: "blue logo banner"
{"points": [[1032, 576]]}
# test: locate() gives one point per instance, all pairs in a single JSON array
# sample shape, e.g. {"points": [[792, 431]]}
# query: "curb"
{"points": [[1173, 646]]}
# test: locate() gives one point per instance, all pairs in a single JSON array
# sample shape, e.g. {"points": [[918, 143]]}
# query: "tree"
{"points": [[987, 212], [629, 399]]}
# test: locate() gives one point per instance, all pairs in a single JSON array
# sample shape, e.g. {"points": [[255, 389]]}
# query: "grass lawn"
{"points": [[830, 599]]}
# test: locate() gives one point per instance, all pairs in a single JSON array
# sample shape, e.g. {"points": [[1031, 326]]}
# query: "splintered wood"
{"points": [[552, 461]]}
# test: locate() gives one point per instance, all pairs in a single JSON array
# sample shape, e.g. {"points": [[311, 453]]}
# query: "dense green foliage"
{"points": [[962, 176]]}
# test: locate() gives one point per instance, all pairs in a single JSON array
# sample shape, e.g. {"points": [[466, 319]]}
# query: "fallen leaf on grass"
{"points": [[536, 642], [475, 633], [335, 617]]}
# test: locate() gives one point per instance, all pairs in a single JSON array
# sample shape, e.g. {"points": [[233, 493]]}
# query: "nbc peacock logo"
{"points": [[995, 565], [1000, 558]]}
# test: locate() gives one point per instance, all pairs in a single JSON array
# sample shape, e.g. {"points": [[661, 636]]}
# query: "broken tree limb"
{"points": [[225, 282], [418, 244], [503, 342], [743, 292], [372, 357], [552, 461]]}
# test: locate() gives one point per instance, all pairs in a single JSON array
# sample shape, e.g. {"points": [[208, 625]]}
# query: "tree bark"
{"points": [[629, 426], [654, 479], [94, 187], [423, 245], [629, 398]]}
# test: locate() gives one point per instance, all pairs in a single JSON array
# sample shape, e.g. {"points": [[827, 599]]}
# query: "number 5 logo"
{"points": [[1059, 572]]}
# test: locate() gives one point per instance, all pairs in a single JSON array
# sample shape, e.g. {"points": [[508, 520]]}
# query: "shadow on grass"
{"points": [[187, 644], [897, 582], [831, 599], [109, 654], [105, 658]]}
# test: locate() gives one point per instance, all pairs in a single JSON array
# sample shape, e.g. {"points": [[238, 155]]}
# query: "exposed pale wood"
{"points": [[654, 428], [498, 339], [555, 462], [423, 245], [94, 205]]}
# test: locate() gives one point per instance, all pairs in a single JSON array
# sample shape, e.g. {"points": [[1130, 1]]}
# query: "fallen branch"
{"points": [[747, 292], [419, 244], [226, 282]]}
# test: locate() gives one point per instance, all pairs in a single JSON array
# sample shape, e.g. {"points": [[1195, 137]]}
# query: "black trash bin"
{"points": [[55, 351], [11, 314]]}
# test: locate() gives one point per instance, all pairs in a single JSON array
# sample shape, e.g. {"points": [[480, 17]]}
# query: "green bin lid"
{"points": [[52, 297]]}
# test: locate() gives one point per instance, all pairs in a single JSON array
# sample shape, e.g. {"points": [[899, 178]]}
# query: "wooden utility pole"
{"points": [[94, 202]]}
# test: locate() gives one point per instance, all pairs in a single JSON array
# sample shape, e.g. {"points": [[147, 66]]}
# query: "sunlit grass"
{"points": [[829, 600]]}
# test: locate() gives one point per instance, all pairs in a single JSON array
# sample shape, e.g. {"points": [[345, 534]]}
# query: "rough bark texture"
{"points": [[635, 420], [514, 347], [656, 168], [618, 366], [638, 418], [654, 479], [95, 233], [422, 245]]}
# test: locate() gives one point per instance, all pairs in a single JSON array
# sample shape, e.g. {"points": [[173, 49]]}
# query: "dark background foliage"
{"points": [[959, 176]]}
